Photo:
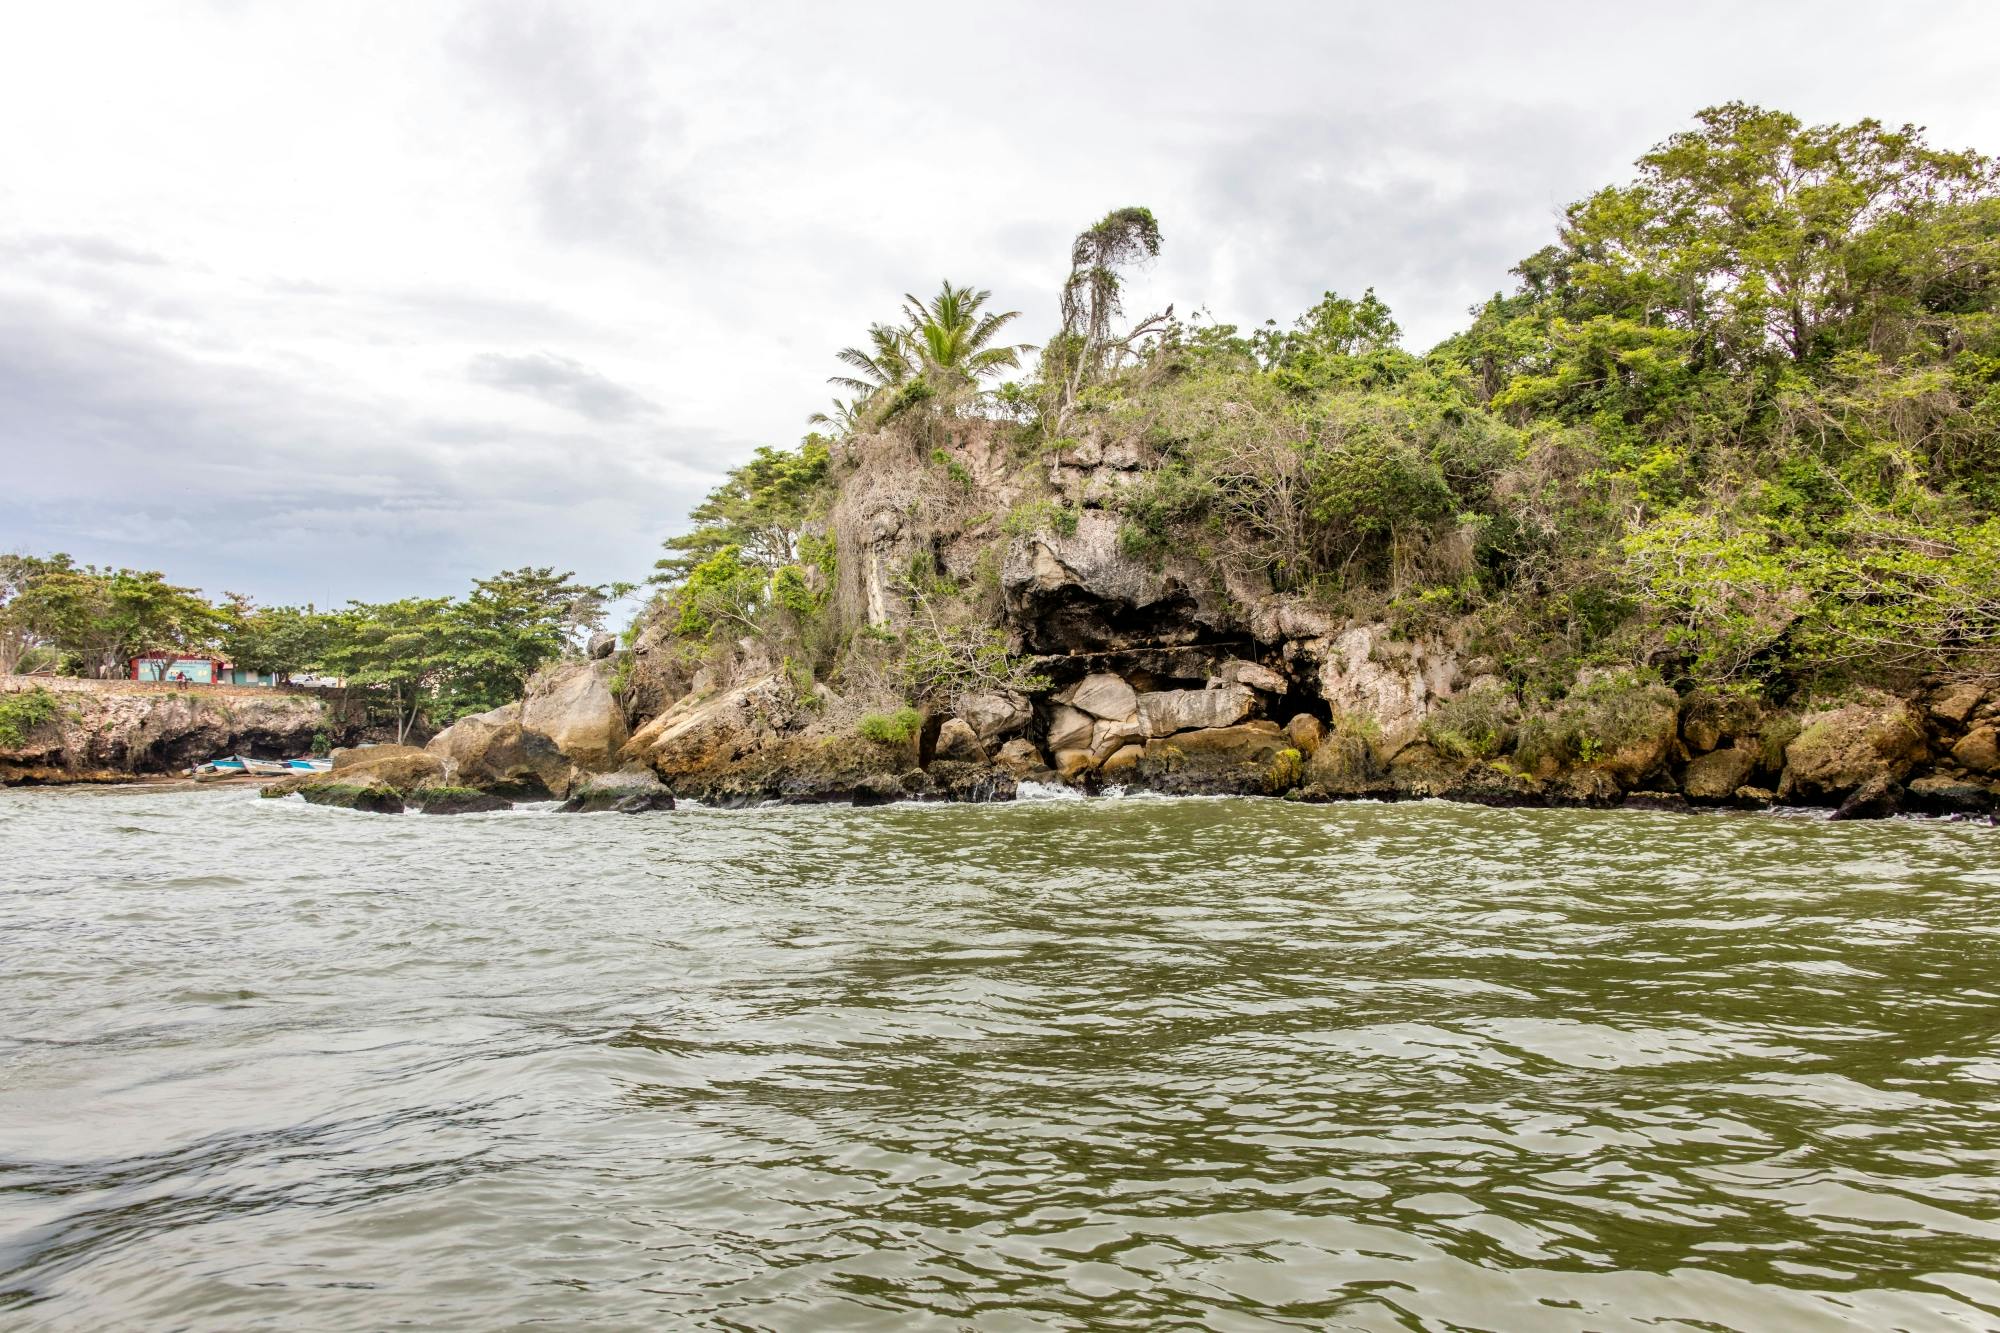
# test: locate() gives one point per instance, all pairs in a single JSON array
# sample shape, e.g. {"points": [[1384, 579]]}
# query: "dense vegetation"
{"points": [[1737, 426], [421, 659]]}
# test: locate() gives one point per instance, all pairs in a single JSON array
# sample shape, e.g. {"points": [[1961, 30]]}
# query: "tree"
{"points": [[509, 627], [16, 573], [100, 618], [848, 416], [282, 640], [1766, 239], [954, 340], [406, 651], [761, 508], [888, 364], [1091, 303]]}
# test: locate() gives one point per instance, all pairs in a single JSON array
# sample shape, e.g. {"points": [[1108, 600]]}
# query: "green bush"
{"points": [[22, 712], [1475, 725], [897, 728]]}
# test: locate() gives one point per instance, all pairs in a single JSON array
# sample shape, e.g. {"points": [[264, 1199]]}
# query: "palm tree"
{"points": [[848, 416], [955, 341], [890, 364]]}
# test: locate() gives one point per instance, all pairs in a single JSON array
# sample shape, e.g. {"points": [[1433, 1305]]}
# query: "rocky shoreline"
{"points": [[1873, 756]]}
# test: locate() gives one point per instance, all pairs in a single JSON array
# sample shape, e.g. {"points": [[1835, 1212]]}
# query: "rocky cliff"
{"points": [[114, 730], [1174, 672]]}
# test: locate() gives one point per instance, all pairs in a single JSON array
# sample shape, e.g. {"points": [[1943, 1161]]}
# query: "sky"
{"points": [[357, 300]]}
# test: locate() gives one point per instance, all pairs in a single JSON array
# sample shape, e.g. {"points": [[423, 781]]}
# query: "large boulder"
{"points": [[1938, 795], [1102, 694], [1109, 736], [400, 766], [1247, 758], [494, 752], [704, 731], [993, 714], [1345, 764], [1841, 750], [373, 798], [1978, 750], [1070, 729], [1122, 763], [457, 801], [633, 790], [1955, 703], [957, 741], [1878, 798], [1713, 778], [1019, 759], [1306, 732], [572, 704], [1164, 712], [972, 784]]}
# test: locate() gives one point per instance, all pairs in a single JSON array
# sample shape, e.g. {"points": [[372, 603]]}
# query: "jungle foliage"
{"points": [[1737, 425]]}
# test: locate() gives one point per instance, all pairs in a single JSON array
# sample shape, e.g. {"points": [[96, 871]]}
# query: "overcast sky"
{"points": [[363, 300]]}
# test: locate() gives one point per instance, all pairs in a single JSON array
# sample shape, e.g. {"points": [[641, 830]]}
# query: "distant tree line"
{"points": [[424, 659]]}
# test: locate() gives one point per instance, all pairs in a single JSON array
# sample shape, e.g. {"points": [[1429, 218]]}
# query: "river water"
{"points": [[1057, 1064]]}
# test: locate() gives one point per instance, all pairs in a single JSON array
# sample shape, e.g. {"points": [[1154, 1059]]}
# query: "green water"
{"points": [[1140, 1064]]}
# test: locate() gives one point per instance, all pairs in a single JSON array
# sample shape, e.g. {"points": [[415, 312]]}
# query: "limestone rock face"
{"points": [[492, 750], [956, 740], [1088, 561], [571, 703], [1979, 750], [1842, 750], [1708, 719], [1257, 677], [1645, 737], [1715, 776], [1364, 671], [1164, 712], [993, 714], [101, 730], [1104, 695]]}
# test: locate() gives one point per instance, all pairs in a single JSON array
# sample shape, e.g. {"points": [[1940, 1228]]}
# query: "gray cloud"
{"points": [[559, 380], [500, 283]]}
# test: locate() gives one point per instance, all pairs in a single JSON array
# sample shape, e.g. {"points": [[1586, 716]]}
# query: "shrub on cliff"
{"points": [[897, 728], [24, 710]]}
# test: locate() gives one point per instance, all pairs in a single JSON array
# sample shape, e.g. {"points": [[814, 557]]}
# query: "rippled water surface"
{"points": [[1140, 1064]]}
